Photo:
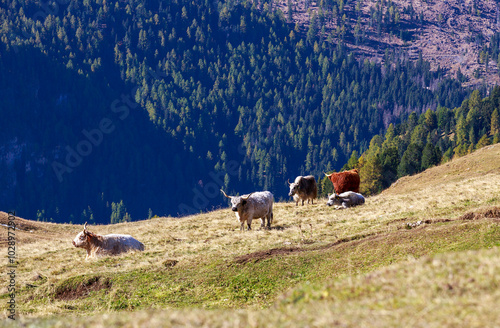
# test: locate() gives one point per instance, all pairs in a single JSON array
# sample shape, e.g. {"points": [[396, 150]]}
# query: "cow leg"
{"points": [[302, 202], [249, 223], [269, 220], [242, 225], [264, 219]]}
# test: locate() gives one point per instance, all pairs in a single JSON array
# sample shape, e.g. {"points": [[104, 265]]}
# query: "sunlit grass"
{"points": [[325, 264]]}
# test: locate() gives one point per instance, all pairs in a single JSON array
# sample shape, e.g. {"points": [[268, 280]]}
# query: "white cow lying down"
{"points": [[346, 199], [114, 244]]}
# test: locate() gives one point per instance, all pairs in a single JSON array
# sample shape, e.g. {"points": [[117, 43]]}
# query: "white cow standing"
{"points": [[253, 206]]}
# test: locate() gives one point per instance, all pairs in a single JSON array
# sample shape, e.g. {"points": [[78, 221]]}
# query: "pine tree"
{"points": [[430, 120], [390, 138], [483, 142], [390, 161], [495, 123], [411, 161], [326, 187], [352, 163], [371, 175], [419, 135], [431, 156], [461, 134]]}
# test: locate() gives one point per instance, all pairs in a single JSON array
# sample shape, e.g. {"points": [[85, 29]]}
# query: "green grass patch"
{"points": [[259, 282]]}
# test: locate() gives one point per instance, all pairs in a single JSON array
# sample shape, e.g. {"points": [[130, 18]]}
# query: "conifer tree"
{"points": [[495, 123], [430, 120], [390, 162], [431, 156], [483, 142], [411, 161], [371, 175]]}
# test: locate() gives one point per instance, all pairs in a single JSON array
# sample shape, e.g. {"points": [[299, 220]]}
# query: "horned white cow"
{"points": [[346, 199], [253, 206], [113, 244]]}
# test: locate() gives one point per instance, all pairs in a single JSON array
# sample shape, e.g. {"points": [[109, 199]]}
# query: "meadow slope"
{"points": [[318, 267]]}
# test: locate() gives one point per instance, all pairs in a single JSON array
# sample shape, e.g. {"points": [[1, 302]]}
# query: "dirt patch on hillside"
{"points": [[488, 213], [262, 255], [83, 289], [265, 254]]}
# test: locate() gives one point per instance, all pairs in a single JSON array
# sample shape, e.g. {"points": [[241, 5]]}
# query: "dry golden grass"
{"points": [[340, 238], [449, 290]]}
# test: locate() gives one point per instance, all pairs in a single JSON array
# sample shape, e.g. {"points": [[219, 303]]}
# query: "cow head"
{"points": [[334, 199], [237, 202], [83, 238], [294, 188]]}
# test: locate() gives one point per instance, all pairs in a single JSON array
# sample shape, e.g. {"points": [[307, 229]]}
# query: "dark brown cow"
{"points": [[304, 188], [345, 181]]}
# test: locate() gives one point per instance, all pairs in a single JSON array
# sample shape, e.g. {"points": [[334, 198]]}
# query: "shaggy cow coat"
{"points": [[253, 206], [113, 244], [346, 199], [304, 188], [345, 181]]}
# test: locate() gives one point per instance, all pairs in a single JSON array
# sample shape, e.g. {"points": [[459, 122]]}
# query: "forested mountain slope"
{"points": [[113, 110], [453, 35]]}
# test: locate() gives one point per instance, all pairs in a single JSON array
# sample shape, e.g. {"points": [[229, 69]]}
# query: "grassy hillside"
{"points": [[319, 267]]}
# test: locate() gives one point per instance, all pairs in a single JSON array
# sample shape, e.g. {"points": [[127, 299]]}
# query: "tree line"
{"points": [[425, 140]]}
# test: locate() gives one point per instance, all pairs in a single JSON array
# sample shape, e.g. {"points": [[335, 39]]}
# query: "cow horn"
{"points": [[245, 198], [225, 194], [288, 181], [85, 226], [327, 174]]}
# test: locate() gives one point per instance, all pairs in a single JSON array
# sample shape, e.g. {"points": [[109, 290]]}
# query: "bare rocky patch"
{"points": [[450, 35]]}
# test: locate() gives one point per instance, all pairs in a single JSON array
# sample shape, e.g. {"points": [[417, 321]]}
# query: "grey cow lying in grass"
{"points": [[114, 244], [346, 199]]}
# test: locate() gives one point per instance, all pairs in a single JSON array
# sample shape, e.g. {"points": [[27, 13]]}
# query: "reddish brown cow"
{"points": [[345, 181]]}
